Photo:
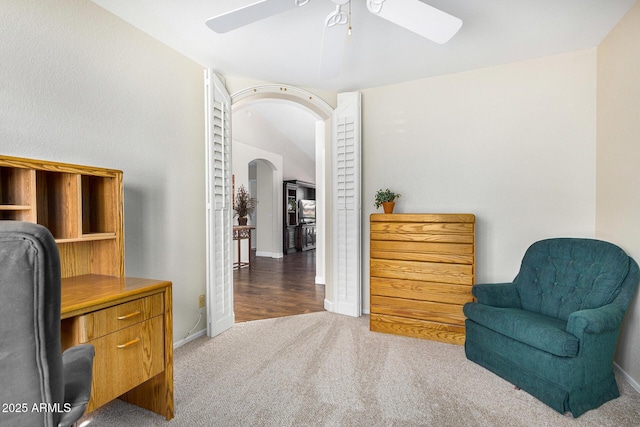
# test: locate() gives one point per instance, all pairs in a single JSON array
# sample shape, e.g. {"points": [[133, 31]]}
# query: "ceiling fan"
{"points": [[414, 15]]}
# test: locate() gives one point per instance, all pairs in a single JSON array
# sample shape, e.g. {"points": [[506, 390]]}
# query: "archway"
{"points": [[340, 172], [294, 94], [322, 111]]}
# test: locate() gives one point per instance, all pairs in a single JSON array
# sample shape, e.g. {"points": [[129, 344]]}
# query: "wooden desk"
{"points": [[129, 322], [240, 233]]}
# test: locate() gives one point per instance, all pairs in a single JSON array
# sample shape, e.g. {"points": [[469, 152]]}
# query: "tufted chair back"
{"points": [[560, 276]]}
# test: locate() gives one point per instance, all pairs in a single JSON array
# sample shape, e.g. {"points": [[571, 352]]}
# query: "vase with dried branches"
{"points": [[244, 205]]}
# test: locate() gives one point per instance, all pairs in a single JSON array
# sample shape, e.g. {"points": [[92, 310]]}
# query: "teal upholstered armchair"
{"points": [[553, 331]]}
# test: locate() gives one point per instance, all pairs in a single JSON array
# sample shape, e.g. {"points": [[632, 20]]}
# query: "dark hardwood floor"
{"points": [[277, 287]]}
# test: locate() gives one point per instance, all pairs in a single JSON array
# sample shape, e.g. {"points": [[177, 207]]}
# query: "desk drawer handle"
{"points": [[127, 344], [127, 316]]}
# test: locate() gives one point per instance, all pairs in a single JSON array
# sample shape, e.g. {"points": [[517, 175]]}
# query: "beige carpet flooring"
{"points": [[324, 369]]}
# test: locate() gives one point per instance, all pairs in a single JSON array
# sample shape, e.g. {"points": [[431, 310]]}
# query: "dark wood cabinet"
{"points": [[306, 237], [299, 221]]}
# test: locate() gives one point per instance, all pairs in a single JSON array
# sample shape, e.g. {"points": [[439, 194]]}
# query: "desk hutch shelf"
{"points": [[81, 206]]}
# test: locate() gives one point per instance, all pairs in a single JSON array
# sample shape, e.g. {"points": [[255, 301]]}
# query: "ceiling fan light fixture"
{"points": [[339, 16]]}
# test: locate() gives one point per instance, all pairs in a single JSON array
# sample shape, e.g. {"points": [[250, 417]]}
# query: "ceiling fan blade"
{"points": [[422, 19], [334, 40], [250, 13]]}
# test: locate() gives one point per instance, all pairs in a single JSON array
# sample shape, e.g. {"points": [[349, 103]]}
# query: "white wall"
{"points": [[269, 243], [618, 171], [269, 229], [79, 85], [512, 144], [254, 130]]}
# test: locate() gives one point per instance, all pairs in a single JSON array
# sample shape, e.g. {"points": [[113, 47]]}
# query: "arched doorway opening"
{"points": [[321, 113], [341, 212]]}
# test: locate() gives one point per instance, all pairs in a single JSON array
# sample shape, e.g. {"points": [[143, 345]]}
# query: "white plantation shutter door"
{"points": [[346, 205], [218, 222]]}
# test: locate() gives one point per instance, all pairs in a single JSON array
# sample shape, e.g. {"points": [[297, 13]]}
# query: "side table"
{"points": [[240, 233]]}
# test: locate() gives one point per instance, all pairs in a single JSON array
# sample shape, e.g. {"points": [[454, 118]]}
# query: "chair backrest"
{"points": [[560, 276], [30, 352]]}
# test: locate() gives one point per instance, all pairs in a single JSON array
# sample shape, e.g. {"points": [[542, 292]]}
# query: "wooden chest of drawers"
{"points": [[128, 321], [422, 268]]}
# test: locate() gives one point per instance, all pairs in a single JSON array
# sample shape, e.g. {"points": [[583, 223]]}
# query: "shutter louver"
{"points": [[346, 215], [219, 215]]}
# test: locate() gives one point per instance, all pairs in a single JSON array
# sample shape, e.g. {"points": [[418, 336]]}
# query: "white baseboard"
{"points": [[627, 377], [270, 254], [320, 280], [328, 305], [189, 338]]}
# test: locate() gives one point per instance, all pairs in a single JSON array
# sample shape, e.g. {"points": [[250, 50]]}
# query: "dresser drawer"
{"points": [[102, 322], [125, 359]]}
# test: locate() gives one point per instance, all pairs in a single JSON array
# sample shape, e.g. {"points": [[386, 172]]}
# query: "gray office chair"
{"points": [[41, 386]]}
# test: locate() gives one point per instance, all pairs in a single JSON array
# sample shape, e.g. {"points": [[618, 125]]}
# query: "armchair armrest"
{"points": [[595, 320], [78, 369], [497, 294]]}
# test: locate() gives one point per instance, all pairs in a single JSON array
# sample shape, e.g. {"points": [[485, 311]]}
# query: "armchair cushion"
{"points": [[537, 330]]}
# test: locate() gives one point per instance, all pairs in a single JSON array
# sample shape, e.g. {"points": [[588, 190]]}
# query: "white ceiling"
{"points": [[293, 122], [286, 48]]}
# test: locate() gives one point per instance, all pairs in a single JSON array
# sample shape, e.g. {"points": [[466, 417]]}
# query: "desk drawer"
{"points": [[125, 359], [102, 322]]}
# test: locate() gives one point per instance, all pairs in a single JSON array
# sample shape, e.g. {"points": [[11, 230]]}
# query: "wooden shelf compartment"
{"points": [[99, 205], [58, 203], [16, 213], [17, 194]]}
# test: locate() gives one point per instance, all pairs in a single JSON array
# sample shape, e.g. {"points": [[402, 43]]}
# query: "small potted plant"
{"points": [[243, 205], [386, 199]]}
